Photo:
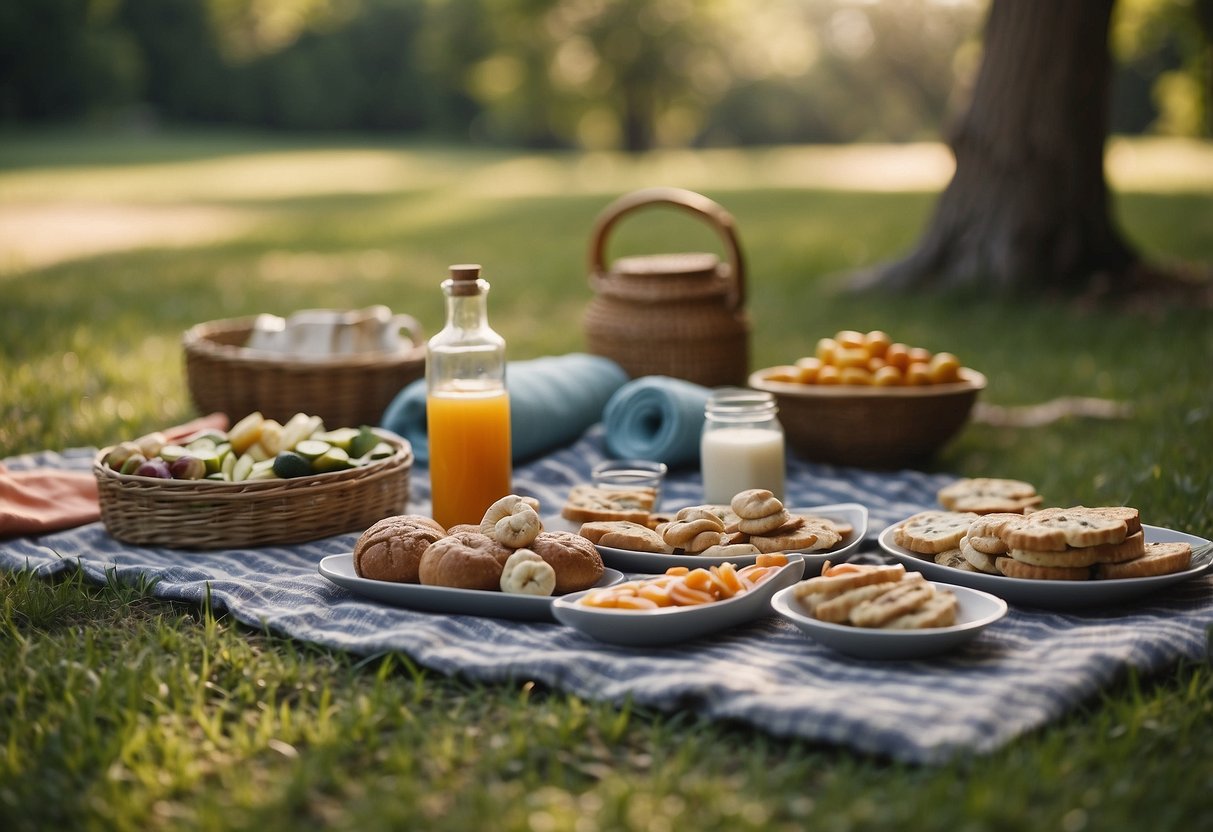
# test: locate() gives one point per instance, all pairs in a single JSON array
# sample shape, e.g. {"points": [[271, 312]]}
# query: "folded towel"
{"points": [[656, 417], [44, 500], [553, 400]]}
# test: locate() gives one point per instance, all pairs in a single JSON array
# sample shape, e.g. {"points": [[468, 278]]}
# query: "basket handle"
{"points": [[696, 204]]}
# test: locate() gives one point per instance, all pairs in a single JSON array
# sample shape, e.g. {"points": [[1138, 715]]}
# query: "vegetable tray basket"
{"points": [[204, 514]]}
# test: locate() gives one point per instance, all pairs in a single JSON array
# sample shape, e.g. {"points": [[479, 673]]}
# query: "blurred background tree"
{"points": [[596, 74]]}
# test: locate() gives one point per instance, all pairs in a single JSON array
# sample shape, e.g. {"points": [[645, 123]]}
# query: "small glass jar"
{"points": [[742, 445]]}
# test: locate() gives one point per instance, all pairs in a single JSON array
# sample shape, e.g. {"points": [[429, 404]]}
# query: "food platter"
{"points": [[1057, 595], [976, 610], [670, 625], [853, 514], [340, 570]]}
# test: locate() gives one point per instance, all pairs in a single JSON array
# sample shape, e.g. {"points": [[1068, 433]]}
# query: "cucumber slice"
{"points": [[312, 448], [334, 459]]}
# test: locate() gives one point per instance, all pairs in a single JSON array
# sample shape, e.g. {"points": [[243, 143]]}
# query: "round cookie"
{"points": [[1133, 546], [391, 549], [468, 560], [795, 535], [754, 503], [988, 495], [1018, 569], [930, 532], [1056, 528], [765, 524], [1159, 559], [577, 563]]}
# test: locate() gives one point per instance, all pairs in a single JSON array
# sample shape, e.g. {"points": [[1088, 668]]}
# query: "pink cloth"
{"points": [[45, 500]]}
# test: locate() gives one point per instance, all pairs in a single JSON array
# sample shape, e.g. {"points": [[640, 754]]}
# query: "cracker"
{"points": [[837, 608], [823, 584], [1159, 559], [988, 495], [906, 597], [930, 532], [587, 502], [1017, 569], [937, 611]]}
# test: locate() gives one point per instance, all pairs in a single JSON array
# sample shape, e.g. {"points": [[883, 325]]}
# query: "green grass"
{"points": [[120, 711]]}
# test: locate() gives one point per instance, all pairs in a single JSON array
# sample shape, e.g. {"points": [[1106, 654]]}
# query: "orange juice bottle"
{"points": [[467, 405]]}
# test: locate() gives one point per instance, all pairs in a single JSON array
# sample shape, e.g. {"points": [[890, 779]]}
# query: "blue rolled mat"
{"points": [[658, 418], [553, 400]]}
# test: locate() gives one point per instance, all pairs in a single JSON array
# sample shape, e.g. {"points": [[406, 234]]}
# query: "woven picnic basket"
{"points": [[203, 514], [680, 315], [345, 390]]}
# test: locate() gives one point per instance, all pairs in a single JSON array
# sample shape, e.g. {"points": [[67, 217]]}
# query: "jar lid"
{"points": [[740, 401]]}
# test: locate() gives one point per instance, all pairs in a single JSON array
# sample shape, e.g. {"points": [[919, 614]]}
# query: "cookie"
{"points": [[633, 537], [764, 525], [1159, 559], [829, 534], [795, 535], [985, 533], [1017, 569], [937, 611], [587, 502], [906, 597], [593, 530], [1133, 546], [730, 550], [987, 495], [930, 532], [754, 503], [980, 561], [954, 559], [1057, 528]]}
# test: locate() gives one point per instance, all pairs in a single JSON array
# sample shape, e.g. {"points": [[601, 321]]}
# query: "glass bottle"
{"points": [[742, 445], [467, 405]]}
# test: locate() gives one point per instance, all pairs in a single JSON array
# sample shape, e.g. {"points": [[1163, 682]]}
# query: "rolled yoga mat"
{"points": [[658, 418], [553, 400]]}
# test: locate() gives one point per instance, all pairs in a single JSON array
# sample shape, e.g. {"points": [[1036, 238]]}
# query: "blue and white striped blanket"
{"points": [[1026, 670]]}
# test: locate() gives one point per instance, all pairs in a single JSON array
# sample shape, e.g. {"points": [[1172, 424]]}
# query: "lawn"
{"points": [[111, 246]]}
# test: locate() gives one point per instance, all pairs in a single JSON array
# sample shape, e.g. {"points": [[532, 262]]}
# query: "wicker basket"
{"points": [[872, 427], [345, 391], [679, 315], [201, 514]]}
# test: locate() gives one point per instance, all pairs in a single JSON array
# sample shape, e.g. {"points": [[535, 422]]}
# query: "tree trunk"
{"points": [[1027, 206]]}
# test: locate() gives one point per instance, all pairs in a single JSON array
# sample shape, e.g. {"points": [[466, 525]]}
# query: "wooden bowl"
{"points": [[871, 427]]}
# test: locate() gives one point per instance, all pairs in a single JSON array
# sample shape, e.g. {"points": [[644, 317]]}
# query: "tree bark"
{"points": [[1028, 204]]}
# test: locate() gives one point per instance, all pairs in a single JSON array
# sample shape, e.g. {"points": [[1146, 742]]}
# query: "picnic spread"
{"points": [[628, 524]]}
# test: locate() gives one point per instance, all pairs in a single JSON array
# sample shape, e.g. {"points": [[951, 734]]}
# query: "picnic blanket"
{"points": [[1021, 673]]}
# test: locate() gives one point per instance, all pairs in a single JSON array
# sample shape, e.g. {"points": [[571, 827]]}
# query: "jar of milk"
{"points": [[742, 445]]}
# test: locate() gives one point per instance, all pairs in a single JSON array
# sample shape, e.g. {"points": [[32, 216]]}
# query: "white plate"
{"points": [[976, 610], [654, 563], [670, 625], [1057, 595], [340, 570]]}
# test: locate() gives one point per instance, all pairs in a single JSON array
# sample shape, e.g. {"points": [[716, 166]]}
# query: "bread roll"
{"points": [[391, 549], [577, 563], [468, 560]]}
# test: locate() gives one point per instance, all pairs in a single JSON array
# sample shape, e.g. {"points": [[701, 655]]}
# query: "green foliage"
{"points": [[631, 74]]}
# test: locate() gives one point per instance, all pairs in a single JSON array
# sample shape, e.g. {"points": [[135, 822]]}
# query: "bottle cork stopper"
{"points": [[465, 280]]}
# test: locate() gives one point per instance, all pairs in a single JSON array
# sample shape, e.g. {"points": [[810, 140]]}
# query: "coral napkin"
{"points": [[45, 499]]}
